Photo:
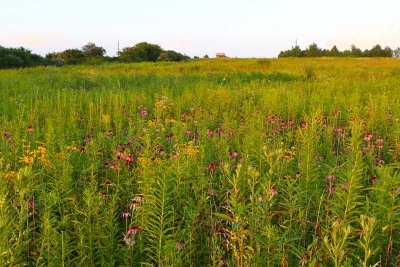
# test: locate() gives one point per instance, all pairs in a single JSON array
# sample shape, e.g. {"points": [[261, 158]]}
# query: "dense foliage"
{"points": [[226, 162], [314, 51], [18, 58]]}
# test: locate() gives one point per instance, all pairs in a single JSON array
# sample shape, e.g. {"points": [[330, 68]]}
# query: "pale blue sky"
{"points": [[240, 28]]}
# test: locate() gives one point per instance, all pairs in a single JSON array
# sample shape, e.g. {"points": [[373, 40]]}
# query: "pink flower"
{"points": [[209, 132], [366, 148], [212, 166], [379, 140], [331, 177], [143, 113], [298, 174], [233, 155], [126, 214], [30, 128], [133, 230], [368, 137], [273, 191], [344, 186]]}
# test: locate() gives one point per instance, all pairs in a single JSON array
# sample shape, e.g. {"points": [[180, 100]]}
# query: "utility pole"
{"points": [[118, 49]]}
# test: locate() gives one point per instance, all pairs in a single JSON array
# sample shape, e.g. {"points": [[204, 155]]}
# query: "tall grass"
{"points": [[212, 162]]}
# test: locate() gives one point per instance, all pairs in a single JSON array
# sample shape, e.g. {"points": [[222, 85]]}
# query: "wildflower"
{"points": [[126, 214], [344, 186], [10, 175], [86, 138], [128, 158], [82, 149], [31, 204], [303, 261], [27, 160], [368, 137], [378, 160], [133, 230], [273, 191], [30, 128], [366, 148], [143, 113], [331, 177], [260, 198], [134, 205], [139, 198], [121, 153], [298, 174], [105, 194], [379, 146], [397, 191], [373, 179], [212, 166], [330, 190], [109, 133], [107, 183], [379, 140], [189, 132], [179, 246], [128, 240], [224, 233], [233, 155], [209, 132]]}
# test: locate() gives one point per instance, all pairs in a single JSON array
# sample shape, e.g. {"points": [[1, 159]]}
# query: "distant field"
{"points": [[219, 162]]}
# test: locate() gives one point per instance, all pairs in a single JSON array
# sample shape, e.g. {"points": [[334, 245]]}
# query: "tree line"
{"points": [[314, 51], [88, 54]]}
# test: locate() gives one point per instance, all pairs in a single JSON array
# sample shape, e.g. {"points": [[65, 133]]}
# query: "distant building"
{"points": [[220, 55]]}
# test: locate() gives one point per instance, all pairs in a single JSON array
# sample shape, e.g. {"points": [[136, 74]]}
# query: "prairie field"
{"points": [[217, 162]]}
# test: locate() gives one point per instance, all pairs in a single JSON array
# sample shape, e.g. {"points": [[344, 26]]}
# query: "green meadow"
{"points": [[217, 162]]}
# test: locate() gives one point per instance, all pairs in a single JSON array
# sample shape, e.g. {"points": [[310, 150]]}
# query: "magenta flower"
{"points": [[273, 191], [379, 140], [133, 230], [30, 128], [331, 177], [368, 137], [143, 113]]}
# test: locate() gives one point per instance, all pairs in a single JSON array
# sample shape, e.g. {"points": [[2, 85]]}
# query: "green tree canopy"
{"points": [[141, 52]]}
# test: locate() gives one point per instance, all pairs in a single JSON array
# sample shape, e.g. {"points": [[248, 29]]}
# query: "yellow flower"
{"points": [[151, 123], [27, 160], [191, 149], [10, 175], [106, 118]]}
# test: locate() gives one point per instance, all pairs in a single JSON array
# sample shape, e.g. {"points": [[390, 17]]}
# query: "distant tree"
{"points": [[313, 51], [334, 52], [396, 52], [387, 52], [355, 52], [171, 55], [376, 51], [206, 56], [91, 50], [19, 58], [140, 52], [70, 56]]}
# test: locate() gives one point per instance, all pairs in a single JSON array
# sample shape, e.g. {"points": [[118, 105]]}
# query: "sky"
{"points": [[238, 28]]}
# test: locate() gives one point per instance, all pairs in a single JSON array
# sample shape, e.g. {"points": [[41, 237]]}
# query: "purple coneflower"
{"points": [[331, 177], [107, 183], [126, 214]]}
